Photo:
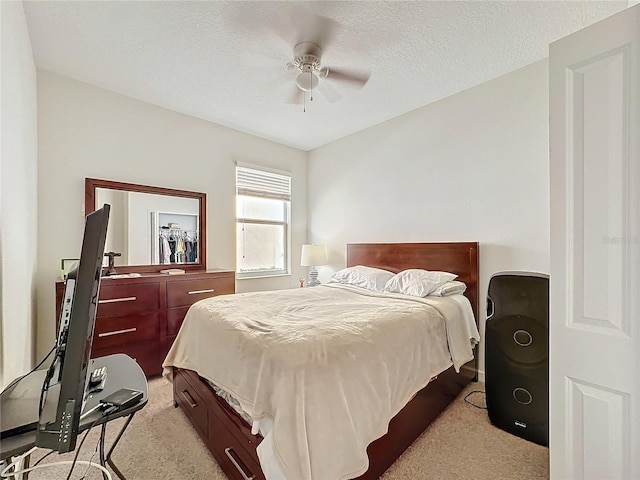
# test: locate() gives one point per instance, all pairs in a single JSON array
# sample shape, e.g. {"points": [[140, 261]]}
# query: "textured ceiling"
{"points": [[225, 61]]}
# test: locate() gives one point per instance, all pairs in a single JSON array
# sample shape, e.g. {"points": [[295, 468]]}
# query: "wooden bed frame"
{"points": [[229, 437]]}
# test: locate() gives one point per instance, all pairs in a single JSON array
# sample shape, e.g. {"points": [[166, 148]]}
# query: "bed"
{"points": [[229, 436]]}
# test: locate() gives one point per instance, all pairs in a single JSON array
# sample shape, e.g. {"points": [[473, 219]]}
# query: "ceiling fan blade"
{"points": [[311, 27], [263, 60], [264, 22], [297, 97], [351, 76], [328, 92]]}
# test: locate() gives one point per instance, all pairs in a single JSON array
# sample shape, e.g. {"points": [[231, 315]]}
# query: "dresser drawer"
{"points": [[127, 299], [168, 343], [175, 316], [145, 354], [192, 404], [240, 429], [236, 462], [186, 292], [122, 330]]}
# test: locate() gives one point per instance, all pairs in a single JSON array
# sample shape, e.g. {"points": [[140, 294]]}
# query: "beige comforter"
{"points": [[330, 365]]}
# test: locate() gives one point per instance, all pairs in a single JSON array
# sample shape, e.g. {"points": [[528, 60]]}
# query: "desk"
{"points": [[122, 372]]}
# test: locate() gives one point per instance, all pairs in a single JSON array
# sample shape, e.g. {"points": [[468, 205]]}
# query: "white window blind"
{"points": [[262, 222], [261, 183]]}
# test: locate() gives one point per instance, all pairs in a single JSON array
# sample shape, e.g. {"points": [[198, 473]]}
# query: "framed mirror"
{"points": [[151, 228]]}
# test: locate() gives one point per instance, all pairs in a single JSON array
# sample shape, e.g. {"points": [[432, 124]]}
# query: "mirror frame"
{"points": [[90, 185]]}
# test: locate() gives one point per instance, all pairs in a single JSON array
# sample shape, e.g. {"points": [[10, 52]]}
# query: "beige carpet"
{"points": [[461, 444]]}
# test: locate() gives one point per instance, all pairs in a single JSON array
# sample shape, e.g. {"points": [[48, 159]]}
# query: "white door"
{"points": [[594, 373]]}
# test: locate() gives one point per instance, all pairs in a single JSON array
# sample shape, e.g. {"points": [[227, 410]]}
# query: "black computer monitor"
{"points": [[65, 383]]}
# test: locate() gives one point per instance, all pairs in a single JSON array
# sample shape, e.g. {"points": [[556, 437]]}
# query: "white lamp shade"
{"points": [[313, 255]]}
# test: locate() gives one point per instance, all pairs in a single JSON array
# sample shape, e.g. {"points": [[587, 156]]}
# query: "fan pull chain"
{"points": [[304, 102], [311, 83]]}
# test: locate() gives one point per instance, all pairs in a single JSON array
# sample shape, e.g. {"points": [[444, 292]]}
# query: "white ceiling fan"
{"points": [[311, 35], [312, 75]]}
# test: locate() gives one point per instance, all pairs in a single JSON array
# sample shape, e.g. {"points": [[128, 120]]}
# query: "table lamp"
{"points": [[313, 256]]}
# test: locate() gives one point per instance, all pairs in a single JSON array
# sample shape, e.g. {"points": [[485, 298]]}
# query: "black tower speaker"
{"points": [[517, 354]]}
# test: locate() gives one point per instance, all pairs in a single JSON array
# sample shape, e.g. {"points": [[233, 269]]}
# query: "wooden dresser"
{"points": [[141, 316]]}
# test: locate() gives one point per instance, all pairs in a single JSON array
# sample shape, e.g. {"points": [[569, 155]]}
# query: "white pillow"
{"points": [[450, 288], [366, 277], [416, 282]]}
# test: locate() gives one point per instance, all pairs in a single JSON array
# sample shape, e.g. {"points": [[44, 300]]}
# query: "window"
{"points": [[262, 222]]}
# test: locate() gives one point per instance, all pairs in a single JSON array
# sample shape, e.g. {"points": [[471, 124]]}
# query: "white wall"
{"points": [[18, 195], [85, 131], [472, 167]]}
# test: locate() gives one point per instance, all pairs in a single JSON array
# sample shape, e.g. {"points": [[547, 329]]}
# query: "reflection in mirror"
{"points": [[151, 229]]}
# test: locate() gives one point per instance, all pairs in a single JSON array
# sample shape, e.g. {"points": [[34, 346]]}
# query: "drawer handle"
{"points": [[195, 292], [117, 332], [116, 300], [190, 400], [236, 463]]}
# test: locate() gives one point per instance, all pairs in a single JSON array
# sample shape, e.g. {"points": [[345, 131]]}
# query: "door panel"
{"points": [[594, 346], [599, 96], [606, 410]]}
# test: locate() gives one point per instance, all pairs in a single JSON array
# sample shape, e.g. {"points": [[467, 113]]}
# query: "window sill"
{"points": [[254, 276]]}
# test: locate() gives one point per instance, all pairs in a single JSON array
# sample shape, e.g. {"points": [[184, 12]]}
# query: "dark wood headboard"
{"points": [[460, 258]]}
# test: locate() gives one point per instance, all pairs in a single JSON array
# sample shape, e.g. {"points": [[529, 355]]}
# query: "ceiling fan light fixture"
{"points": [[307, 81]]}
